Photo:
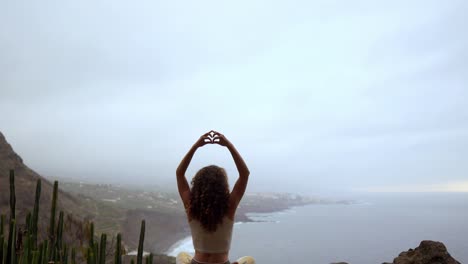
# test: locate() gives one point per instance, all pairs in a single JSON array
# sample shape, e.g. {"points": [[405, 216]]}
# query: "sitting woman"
{"points": [[209, 205]]}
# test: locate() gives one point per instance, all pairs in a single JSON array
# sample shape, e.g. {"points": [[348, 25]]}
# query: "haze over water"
{"points": [[373, 231]]}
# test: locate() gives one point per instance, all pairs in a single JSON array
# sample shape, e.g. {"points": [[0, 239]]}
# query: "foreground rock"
{"points": [[428, 252]]}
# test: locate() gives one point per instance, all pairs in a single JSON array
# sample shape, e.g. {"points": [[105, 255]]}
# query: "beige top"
{"points": [[218, 241]]}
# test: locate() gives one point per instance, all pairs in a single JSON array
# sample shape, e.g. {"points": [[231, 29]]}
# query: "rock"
{"points": [[428, 252]]}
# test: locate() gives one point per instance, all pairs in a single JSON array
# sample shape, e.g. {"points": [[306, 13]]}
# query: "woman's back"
{"points": [[218, 241]]}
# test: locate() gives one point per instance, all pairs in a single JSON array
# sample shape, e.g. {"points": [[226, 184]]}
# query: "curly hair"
{"points": [[209, 197]]}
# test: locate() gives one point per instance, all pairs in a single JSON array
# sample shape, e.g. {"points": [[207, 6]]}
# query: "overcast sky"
{"points": [[318, 96]]}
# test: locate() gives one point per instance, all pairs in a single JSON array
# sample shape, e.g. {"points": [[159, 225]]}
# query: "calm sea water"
{"points": [[374, 230]]}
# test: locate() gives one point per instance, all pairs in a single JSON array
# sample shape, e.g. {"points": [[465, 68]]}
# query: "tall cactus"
{"points": [[140, 243], [40, 253], [96, 252], [58, 242], [90, 258], [150, 258], [91, 235], [24, 248], [52, 212], [11, 249], [64, 259], [118, 247], [2, 237], [46, 252], [73, 256], [1, 247], [2, 224], [35, 257], [102, 249], [24, 256], [12, 195], [35, 217]]}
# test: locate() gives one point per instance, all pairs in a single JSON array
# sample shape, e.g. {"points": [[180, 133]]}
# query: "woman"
{"points": [[209, 205]]}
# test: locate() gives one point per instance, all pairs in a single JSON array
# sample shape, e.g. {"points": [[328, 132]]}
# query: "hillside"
{"points": [[25, 182], [79, 210]]}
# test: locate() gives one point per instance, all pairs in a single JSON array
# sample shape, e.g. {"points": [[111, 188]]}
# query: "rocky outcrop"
{"points": [[428, 252]]}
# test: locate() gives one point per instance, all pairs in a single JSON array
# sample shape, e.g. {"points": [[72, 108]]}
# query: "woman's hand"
{"points": [[220, 139], [204, 139]]}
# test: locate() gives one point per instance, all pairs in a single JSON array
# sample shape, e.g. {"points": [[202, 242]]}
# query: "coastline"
{"points": [[182, 239]]}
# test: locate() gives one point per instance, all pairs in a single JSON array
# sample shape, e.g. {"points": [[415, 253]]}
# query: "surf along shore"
{"points": [[251, 203], [120, 207]]}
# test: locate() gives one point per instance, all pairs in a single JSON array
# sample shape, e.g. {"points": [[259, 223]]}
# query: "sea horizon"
{"points": [[381, 225]]}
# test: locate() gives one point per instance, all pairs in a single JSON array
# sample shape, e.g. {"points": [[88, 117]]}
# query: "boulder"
{"points": [[428, 252]]}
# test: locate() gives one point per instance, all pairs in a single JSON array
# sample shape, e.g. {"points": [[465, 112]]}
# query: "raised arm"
{"points": [[182, 183], [241, 183]]}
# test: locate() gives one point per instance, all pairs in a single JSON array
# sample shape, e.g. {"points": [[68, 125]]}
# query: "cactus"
{"points": [[59, 251], [24, 257], [28, 222], [52, 212], [73, 256], [140, 243], [91, 235], [2, 224], [96, 252], [11, 249], [46, 252], [151, 258], [12, 195], [1, 248], [40, 252], [118, 247], [91, 258], [64, 258], [35, 257], [23, 247], [35, 217], [102, 249], [59, 231], [2, 237]]}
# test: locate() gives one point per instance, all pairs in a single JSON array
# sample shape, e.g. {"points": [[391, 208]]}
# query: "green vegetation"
{"points": [[23, 246]]}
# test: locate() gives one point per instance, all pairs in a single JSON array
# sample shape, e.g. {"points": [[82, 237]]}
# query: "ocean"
{"points": [[373, 230]]}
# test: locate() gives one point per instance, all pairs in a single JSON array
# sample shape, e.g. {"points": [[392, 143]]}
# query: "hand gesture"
{"points": [[219, 139], [204, 139]]}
